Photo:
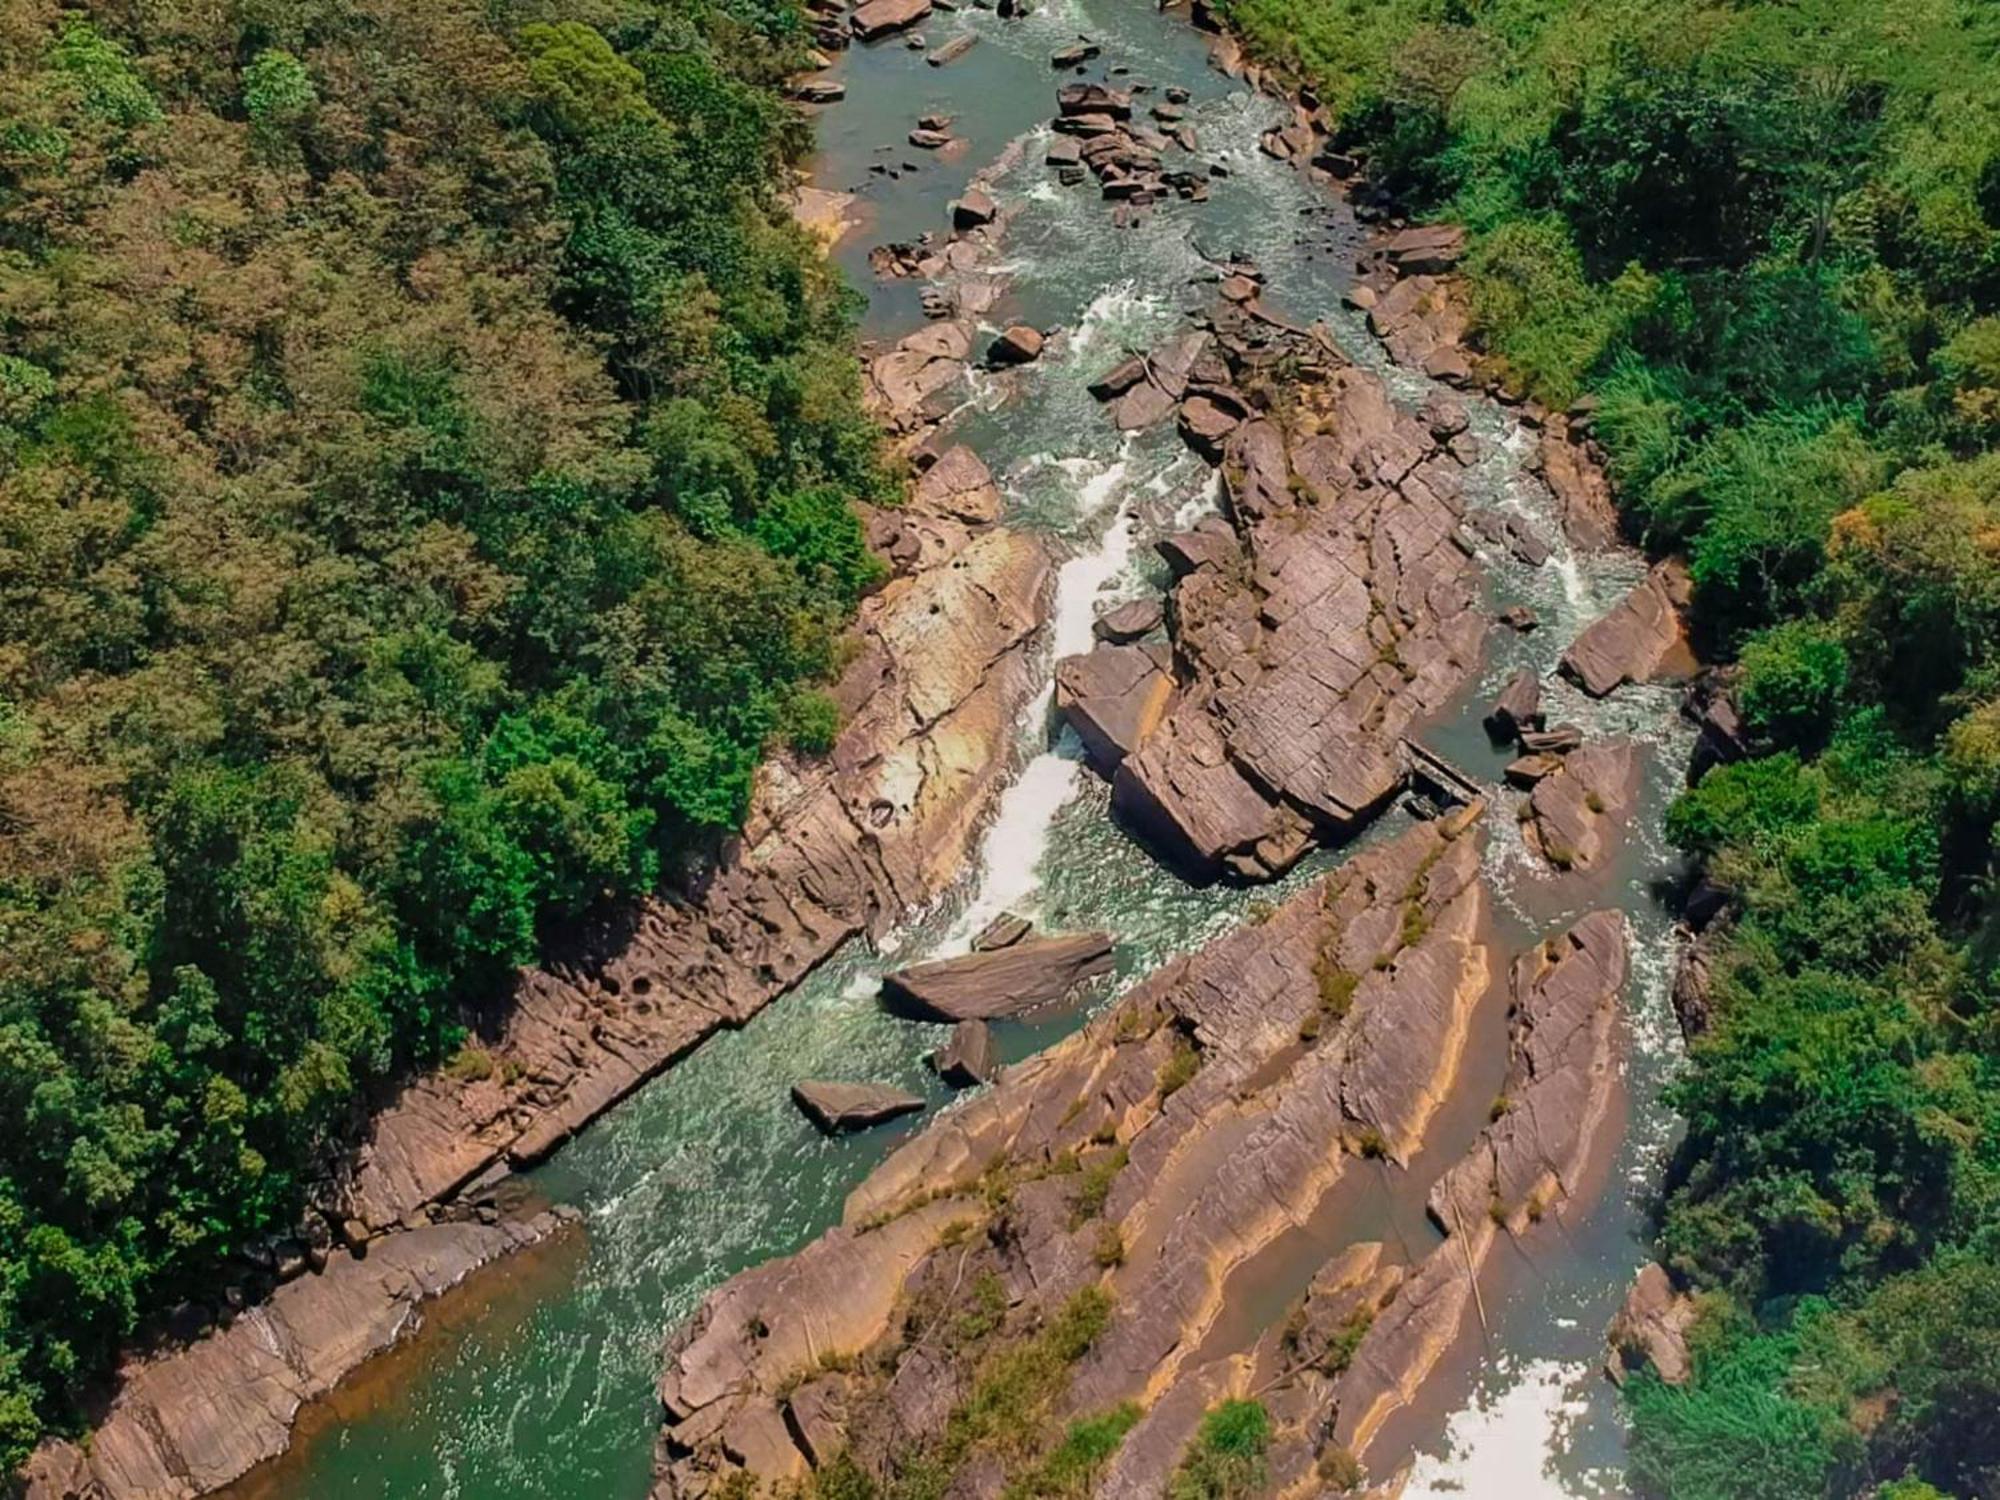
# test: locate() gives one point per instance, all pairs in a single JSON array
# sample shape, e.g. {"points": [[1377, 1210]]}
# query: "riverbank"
{"points": [[709, 1169], [778, 1377]]}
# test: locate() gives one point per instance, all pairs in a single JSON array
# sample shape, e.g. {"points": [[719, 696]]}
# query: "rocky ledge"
{"points": [[1328, 614], [188, 1423], [1097, 1216], [832, 850]]}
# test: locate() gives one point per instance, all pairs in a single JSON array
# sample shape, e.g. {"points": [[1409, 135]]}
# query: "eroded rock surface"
{"points": [[1150, 1158], [1650, 1331], [1327, 617], [193, 1420], [837, 1107]]}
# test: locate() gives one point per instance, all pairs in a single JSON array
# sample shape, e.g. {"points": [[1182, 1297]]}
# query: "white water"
{"points": [[1503, 1445]]}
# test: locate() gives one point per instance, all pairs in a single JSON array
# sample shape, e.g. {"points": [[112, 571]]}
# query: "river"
{"points": [[537, 1379]]}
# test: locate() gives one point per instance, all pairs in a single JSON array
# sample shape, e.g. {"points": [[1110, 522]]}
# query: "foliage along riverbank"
{"points": [[1763, 242], [426, 447]]}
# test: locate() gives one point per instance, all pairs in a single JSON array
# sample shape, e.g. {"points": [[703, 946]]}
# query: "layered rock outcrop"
{"points": [[1145, 1161], [1329, 615]]}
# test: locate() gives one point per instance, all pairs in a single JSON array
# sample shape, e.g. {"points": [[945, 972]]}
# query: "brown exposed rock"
{"points": [[1650, 1331], [1115, 697], [832, 849], [1003, 931], [1575, 815], [974, 208], [192, 1420], [1425, 250], [1017, 345], [1314, 633], [880, 18], [1528, 770], [1560, 740], [967, 1057], [1208, 1107], [1094, 99], [1010, 981], [1075, 55], [1208, 418], [1518, 707], [1641, 640], [908, 386], [1530, 1163], [1126, 623], [1422, 321], [1120, 378], [958, 486], [837, 1107], [1578, 482]]}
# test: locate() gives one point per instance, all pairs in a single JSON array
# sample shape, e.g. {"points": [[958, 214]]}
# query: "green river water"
{"points": [[536, 1380]]}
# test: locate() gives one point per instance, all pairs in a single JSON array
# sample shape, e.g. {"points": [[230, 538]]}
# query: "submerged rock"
{"points": [[838, 1107], [1023, 976]]}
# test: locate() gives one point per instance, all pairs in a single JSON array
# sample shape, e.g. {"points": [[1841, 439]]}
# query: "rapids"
{"points": [[537, 1380]]}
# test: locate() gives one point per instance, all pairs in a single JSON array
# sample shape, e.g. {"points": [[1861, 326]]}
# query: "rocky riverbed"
{"points": [[1248, 704]]}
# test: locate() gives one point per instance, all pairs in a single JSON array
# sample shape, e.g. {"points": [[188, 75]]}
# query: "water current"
{"points": [[537, 1379]]}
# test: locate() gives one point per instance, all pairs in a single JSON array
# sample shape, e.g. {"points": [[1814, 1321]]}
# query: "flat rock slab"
{"points": [[1577, 814], [1128, 622], [1010, 981], [838, 1108]]}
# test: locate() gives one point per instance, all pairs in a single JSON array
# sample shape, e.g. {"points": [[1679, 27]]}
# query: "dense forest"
{"points": [[426, 448], [1763, 240]]}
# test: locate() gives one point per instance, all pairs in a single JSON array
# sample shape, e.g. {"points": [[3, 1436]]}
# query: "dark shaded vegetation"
{"points": [[1764, 240], [426, 448]]}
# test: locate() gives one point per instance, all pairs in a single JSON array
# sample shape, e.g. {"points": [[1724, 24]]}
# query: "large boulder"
{"points": [[1576, 816], [1650, 1331], [973, 208], [1016, 345], [960, 486], [1094, 99], [1518, 707], [1425, 249], [838, 1108], [1011, 981], [1114, 697], [1641, 640], [1126, 623]]}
